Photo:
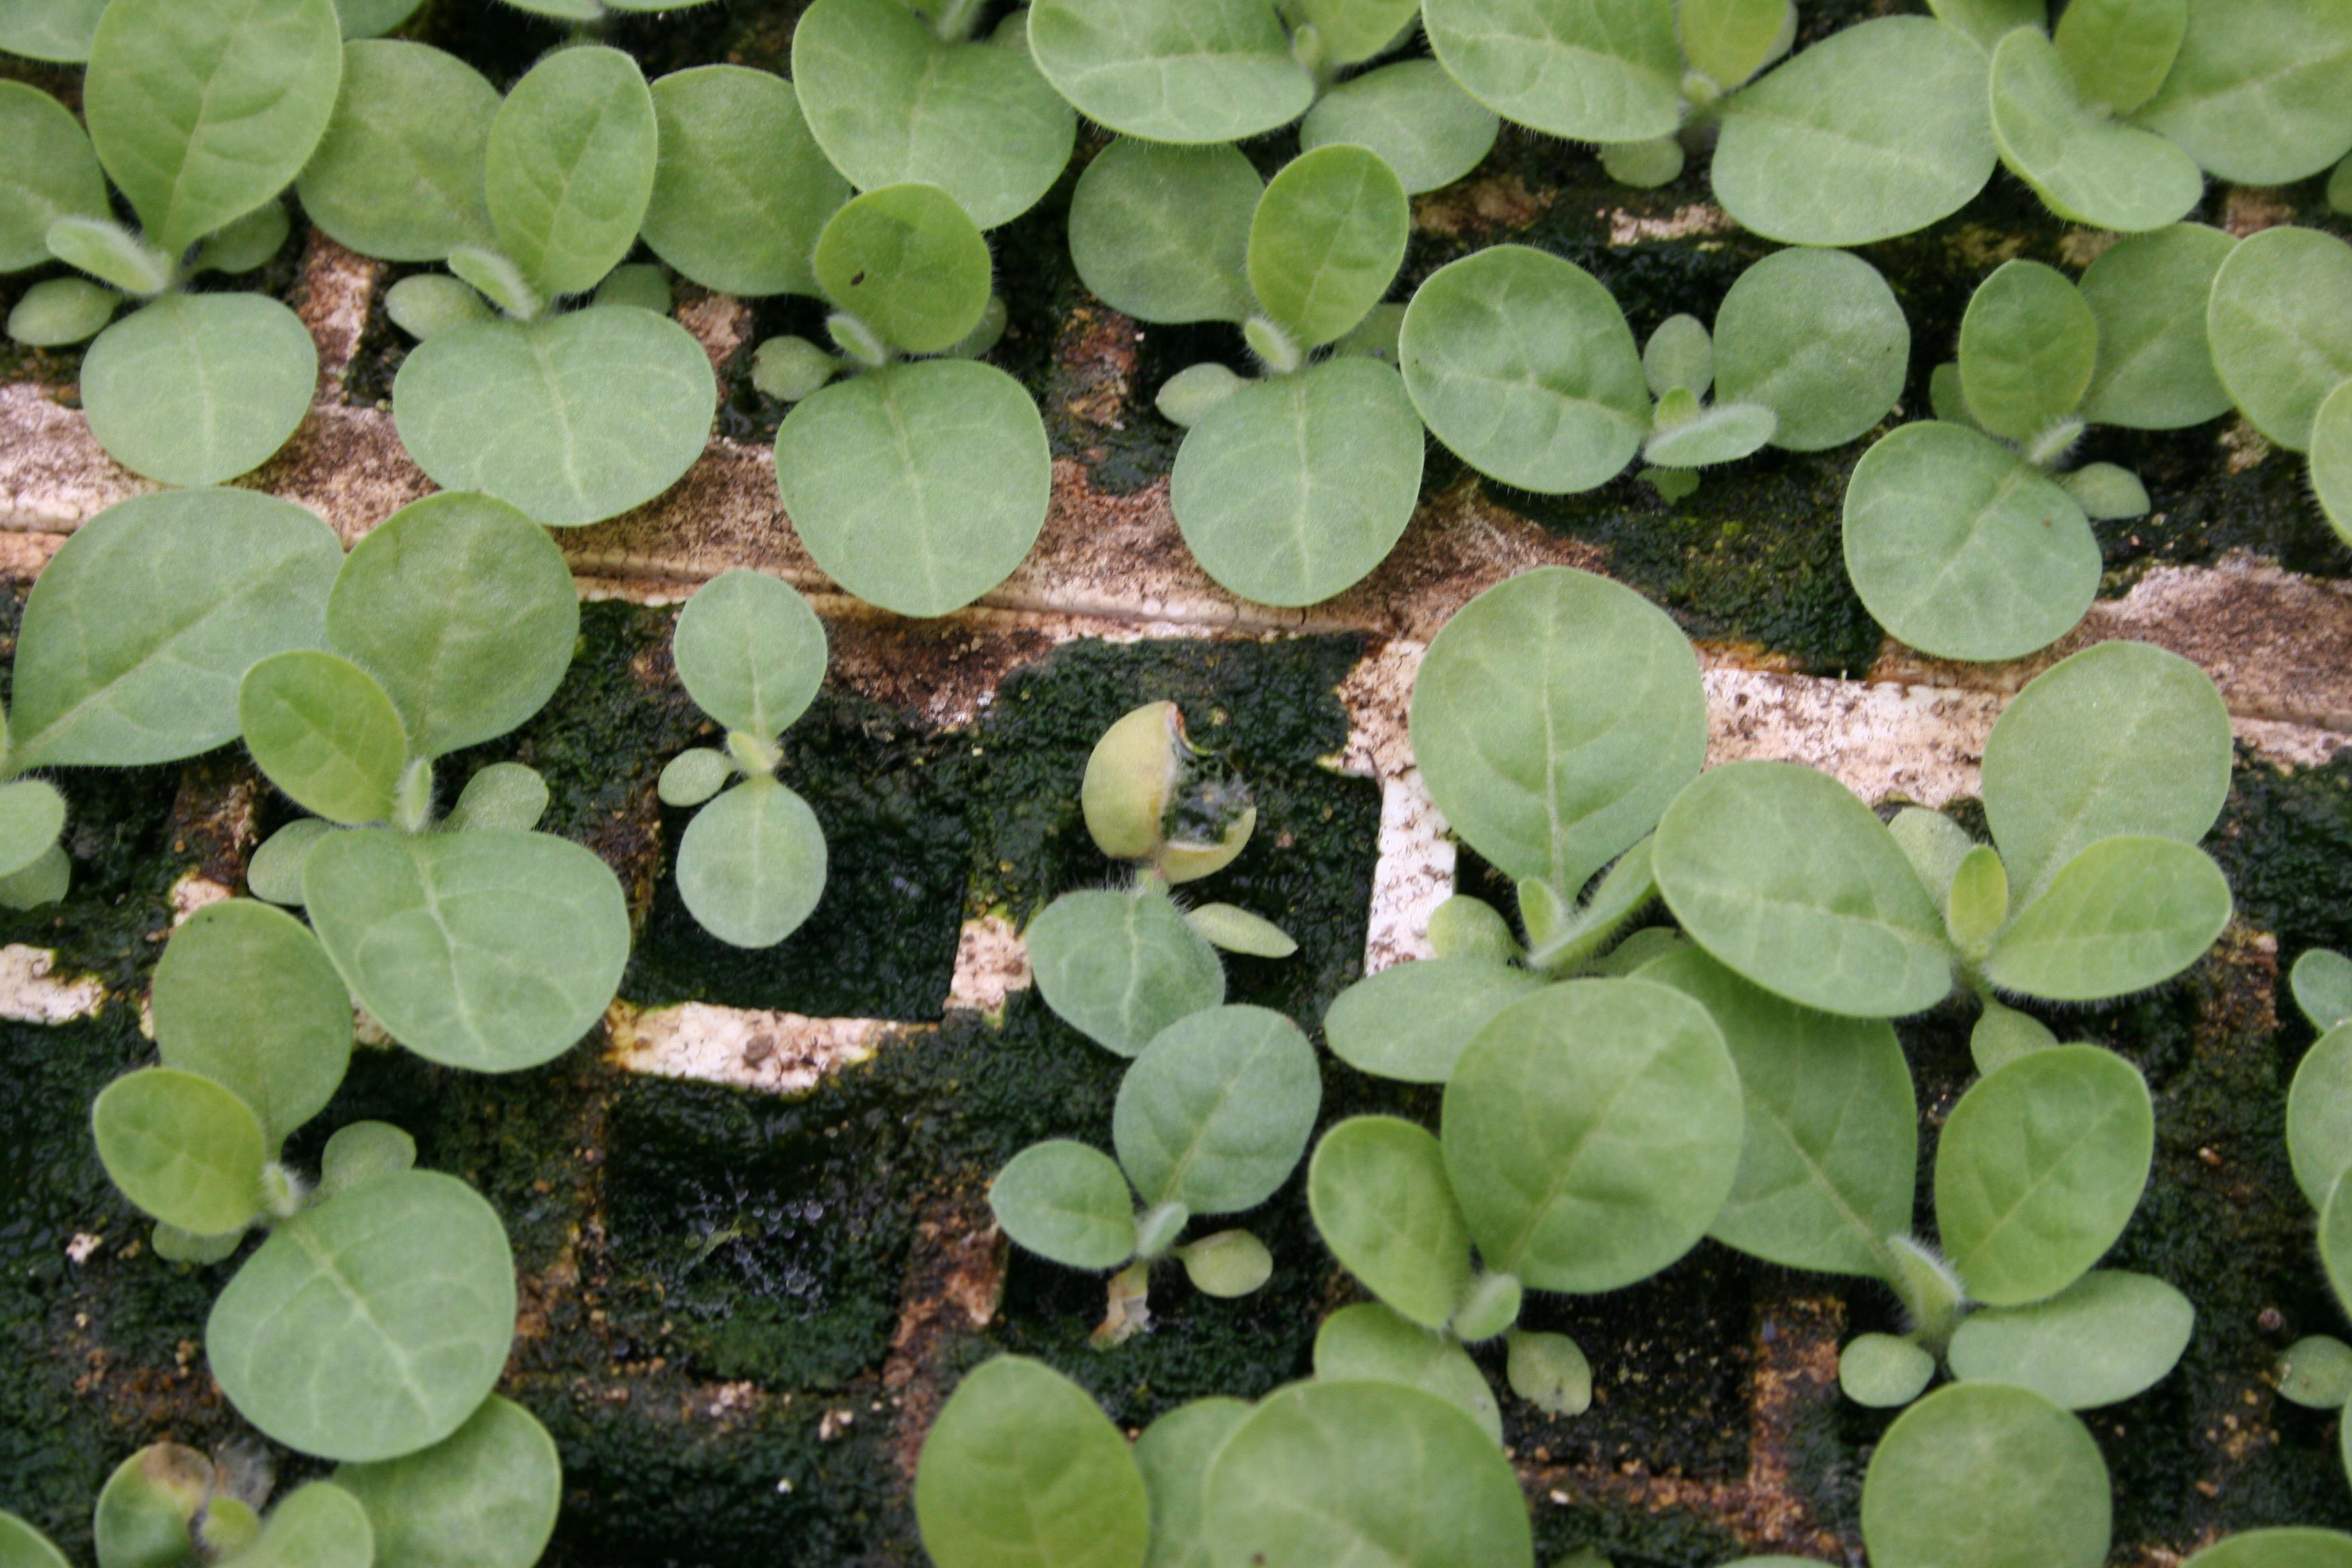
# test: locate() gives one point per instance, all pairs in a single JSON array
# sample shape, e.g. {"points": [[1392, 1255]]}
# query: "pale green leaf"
{"points": [[318, 1525], [1413, 115], [1816, 337], [1983, 1475], [1068, 1201], [426, 304], [1722, 433], [1120, 967], [144, 1511], [1383, 1204], [1172, 70], [2284, 1547], [694, 775], [484, 1497], [275, 872], [2127, 913], [1679, 354], [2322, 982], [1593, 71], [1782, 875], [2280, 321], [1549, 1372], [490, 950], [399, 174], [2316, 1372], [1987, 21], [2261, 91], [1523, 364], [2041, 1165], [2106, 492], [507, 796], [183, 1148], [32, 814], [1217, 1109], [751, 864], [59, 311], [920, 487], [1022, 1469], [573, 418], [2087, 166], [2028, 345], [361, 1151], [372, 18], [1226, 1264], [58, 30], [2002, 1034], [49, 172], [2106, 1337], [2331, 458], [321, 729], [245, 996], [742, 189], [1368, 1343], [1233, 928], [2119, 51], [22, 1546], [1295, 487], [569, 167], [371, 1325], [749, 651], [1882, 1372], [1163, 233], [203, 109], [246, 243], [197, 388], [1173, 1454], [2319, 1115], [908, 261], [1411, 1021], [1327, 239]]}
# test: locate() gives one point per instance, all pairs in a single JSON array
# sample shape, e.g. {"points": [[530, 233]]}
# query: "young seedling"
{"points": [[2098, 780], [1981, 1476], [1180, 73], [917, 483], [2277, 318], [202, 112], [751, 654], [1962, 536], [449, 625], [1211, 1120], [1809, 352]]}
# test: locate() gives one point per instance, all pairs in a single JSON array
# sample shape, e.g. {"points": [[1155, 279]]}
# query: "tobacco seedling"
{"points": [[1211, 1120], [474, 941], [202, 112], [2099, 778], [2281, 342], [573, 416], [895, 95], [1295, 484], [1981, 1476], [751, 654], [131, 645], [1554, 718], [1591, 1130], [1809, 352], [1185, 73], [2317, 1370], [1962, 536], [917, 483]]}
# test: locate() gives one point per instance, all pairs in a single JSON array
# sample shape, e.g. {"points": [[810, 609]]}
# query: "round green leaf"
{"points": [[2121, 738], [1782, 874], [2335, 1241], [183, 1148], [742, 189], [1172, 70], [1963, 550], [1383, 1204], [462, 611], [1728, 41], [570, 168], [2316, 1372], [2088, 166], [1411, 1021], [1120, 967], [2128, 913], [892, 101], [1233, 928], [1364, 1472], [1227, 1264], [1522, 364], [1882, 1372], [1554, 718], [2280, 322], [1217, 1109], [1163, 233], [1068, 1201], [1979, 1475], [321, 729], [58, 30], [1353, 31], [275, 872], [2040, 1168], [1022, 1469], [32, 815], [2287, 1547], [694, 775], [2028, 345], [490, 950], [1816, 337], [1549, 1372], [1830, 1149], [371, 1325], [1592, 70], [203, 109], [2331, 458], [2261, 91], [1367, 1342], [2106, 1337], [245, 996], [318, 1525], [573, 418], [1413, 115], [51, 172], [59, 311], [1592, 1129], [1722, 433], [362, 1152], [1878, 129], [484, 1497], [2119, 51], [22, 1546], [144, 1510], [372, 18], [1326, 240], [1295, 487], [750, 652], [2322, 984], [2148, 292], [906, 261], [751, 866], [399, 174], [139, 628], [197, 388], [1174, 1453], [919, 486], [1679, 354], [499, 795]]}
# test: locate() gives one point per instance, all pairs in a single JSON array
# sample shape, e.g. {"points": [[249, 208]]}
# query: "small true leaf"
{"points": [[2002, 1034], [2106, 1337], [1982, 1476], [1549, 1372], [197, 388], [1227, 1263], [275, 872], [2316, 1372], [751, 864], [183, 1148], [59, 311], [1884, 1371], [2040, 1168], [503, 795], [414, 1287], [1383, 1204], [1722, 433], [317, 1525], [1233, 928], [1368, 1343], [2106, 492], [244, 995], [362, 1152], [321, 729]]}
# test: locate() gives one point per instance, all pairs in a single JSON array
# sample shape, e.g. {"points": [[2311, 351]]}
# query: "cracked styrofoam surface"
{"points": [[1108, 566]]}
